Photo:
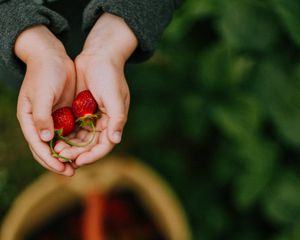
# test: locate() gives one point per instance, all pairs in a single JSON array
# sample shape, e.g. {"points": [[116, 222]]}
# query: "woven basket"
{"points": [[50, 194]]}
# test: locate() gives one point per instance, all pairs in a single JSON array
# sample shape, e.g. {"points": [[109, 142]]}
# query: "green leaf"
{"points": [[288, 11], [190, 12], [241, 68], [213, 68], [280, 96], [281, 203], [220, 69], [193, 116], [291, 232], [239, 118], [247, 25], [256, 158], [149, 122]]}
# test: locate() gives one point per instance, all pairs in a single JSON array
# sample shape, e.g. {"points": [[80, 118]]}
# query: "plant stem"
{"points": [[68, 141], [55, 154]]}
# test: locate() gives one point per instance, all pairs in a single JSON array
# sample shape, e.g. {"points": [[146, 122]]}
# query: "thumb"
{"points": [[41, 113]]}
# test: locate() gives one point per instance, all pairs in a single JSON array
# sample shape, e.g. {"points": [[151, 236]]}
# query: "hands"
{"points": [[100, 68], [50, 83]]}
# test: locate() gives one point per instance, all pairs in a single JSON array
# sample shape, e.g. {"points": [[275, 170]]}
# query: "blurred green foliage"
{"points": [[216, 111], [17, 168]]}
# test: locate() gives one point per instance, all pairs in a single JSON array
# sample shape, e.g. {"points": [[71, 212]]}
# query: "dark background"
{"points": [[216, 111]]}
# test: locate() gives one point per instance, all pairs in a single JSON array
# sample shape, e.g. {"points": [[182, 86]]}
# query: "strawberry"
{"points": [[64, 124], [84, 108], [64, 121], [84, 105]]}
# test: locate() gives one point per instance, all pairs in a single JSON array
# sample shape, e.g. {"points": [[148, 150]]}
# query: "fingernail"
{"points": [[117, 137], [46, 135]]}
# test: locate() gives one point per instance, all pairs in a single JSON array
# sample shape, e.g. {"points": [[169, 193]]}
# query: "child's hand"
{"points": [[100, 69], [49, 83]]}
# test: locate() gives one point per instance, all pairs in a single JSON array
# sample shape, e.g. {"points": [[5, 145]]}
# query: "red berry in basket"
{"points": [[64, 121], [84, 104], [119, 213]]}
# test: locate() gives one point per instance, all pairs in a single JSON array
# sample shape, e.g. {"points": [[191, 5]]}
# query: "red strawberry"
{"points": [[84, 108], [84, 105], [64, 121], [119, 213], [64, 124]]}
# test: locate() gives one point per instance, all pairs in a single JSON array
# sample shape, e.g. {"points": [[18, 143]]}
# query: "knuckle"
{"points": [[121, 118], [125, 91], [127, 97], [18, 116], [40, 118]]}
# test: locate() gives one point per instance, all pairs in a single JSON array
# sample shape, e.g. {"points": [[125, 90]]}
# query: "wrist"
{"points": [[111, 37], [37, 41]]}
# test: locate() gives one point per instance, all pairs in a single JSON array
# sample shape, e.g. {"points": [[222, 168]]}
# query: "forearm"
{"points": [[37, 41], [147, 19]]}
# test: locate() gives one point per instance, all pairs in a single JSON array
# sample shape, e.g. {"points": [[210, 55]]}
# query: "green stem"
{"points": [[68, 141], [56, 155]]}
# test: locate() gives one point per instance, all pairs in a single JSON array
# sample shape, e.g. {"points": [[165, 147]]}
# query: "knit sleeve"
{"points": [[147, 19], [16, 16]]}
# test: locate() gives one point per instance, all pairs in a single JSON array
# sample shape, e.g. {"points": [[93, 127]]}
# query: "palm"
{"points": [[98, 148]]}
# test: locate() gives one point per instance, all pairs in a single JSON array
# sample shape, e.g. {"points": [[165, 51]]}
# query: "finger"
{"points": [[41, 112], [68, 171], [73, 164], [108, 94], [97, 152], [77, 138], [30, 133], [102, 123], [64, 149], [127, 103], [74, 152], [82, 134], [36, 157], [60, 145], [44, 153], [117, 117]]}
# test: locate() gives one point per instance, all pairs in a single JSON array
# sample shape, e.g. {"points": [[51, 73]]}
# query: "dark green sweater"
{"points": [[147, 19]]}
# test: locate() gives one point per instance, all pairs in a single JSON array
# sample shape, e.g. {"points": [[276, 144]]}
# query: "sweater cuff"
{"points": [[147, 19], [16, 16]]}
